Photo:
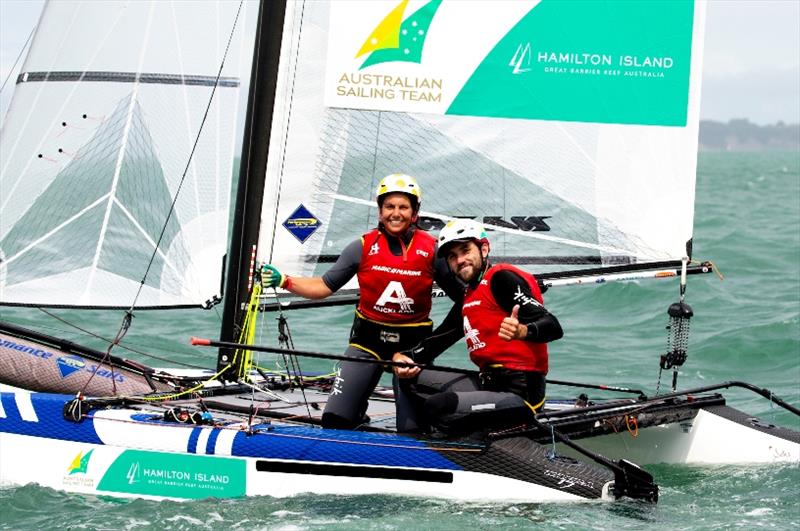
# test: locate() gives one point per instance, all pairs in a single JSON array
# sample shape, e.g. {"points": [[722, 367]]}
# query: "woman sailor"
{"points": [[396, 266]]}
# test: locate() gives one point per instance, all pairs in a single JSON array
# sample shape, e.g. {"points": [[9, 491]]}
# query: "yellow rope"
{"points": [[186, 392], [248, 335]]}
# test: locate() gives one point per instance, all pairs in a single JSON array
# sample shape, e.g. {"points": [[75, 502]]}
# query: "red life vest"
{"points": [[482, 319], [396, 289]]}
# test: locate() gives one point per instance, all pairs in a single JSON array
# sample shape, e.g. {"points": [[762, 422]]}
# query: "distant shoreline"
{"points": [[743, 135]]}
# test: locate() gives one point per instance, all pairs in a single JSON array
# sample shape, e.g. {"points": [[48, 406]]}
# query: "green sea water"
{"points": [[746, 327]]}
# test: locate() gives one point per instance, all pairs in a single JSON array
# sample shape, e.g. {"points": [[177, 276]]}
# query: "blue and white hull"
{"points": [[132, 452]]}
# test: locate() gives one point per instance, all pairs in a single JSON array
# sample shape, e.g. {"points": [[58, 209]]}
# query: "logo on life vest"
{"points": [[375, 249], [394, 294], [524, 299], [472, 336]]}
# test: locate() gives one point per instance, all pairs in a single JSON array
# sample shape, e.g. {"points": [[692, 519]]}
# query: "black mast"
{"points": [[247, 211]]}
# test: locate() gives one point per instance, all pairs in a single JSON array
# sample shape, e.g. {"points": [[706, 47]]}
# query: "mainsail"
{"points": [[569, 128], [95, 145]]}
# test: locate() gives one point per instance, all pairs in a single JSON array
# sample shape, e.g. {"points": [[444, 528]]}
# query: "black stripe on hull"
{"points": [[372, 472], [128, 77]]}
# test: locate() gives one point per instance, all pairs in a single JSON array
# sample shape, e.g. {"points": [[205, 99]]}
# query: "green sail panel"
{"points": [[617, 62]]}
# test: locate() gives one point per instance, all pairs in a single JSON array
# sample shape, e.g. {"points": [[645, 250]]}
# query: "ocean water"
{"points": [[746, 327]]}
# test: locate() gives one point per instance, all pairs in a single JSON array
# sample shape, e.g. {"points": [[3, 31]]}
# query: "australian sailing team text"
{"points": [[390, 87]]}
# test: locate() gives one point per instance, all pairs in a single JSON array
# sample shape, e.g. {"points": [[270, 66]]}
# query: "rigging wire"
{"points": [[125, 347], [286, 137], [285, 340]]}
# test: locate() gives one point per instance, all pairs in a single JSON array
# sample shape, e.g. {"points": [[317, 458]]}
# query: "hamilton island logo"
{"points": [[302, 224], [521, 61], [69, 364], [396, 39]]}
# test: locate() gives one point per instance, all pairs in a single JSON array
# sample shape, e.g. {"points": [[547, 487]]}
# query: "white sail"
{"points": [[101, 127], [569, 128]]}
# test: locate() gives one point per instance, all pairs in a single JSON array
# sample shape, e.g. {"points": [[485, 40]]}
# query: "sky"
{"points": [[751, 65]]}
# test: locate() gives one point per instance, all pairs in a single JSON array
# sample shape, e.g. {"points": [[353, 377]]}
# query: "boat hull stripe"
{"points": [[49, 407], [211, 446], [25, 407], [202, 441], [372, 472], [191, 446]]}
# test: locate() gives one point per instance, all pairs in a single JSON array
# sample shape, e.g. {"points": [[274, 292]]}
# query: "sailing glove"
{"points": [[271, 277]]}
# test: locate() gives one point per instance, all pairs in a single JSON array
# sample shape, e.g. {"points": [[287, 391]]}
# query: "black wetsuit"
{"points": [[493, 398]]}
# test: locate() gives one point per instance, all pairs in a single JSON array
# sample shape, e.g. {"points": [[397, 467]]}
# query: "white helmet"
{"points": [[460, 230], [400, 182]]}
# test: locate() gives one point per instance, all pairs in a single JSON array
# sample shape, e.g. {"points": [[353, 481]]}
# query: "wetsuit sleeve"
{"points": [[345, 268], [448, 332], [510, 289], [445, 279]]}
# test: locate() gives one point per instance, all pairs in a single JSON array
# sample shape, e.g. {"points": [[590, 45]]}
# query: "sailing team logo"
{"points": [[78, 472], [396, 39], [302, 223], [80, 464]]}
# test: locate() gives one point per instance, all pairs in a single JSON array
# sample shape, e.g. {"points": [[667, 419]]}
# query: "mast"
{"points": [[250, 191]]}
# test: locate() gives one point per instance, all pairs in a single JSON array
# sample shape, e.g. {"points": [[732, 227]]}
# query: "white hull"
{"points": [[708, 439]]}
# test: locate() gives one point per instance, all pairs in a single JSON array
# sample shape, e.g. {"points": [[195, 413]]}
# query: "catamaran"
{"points": [[571, 133]]}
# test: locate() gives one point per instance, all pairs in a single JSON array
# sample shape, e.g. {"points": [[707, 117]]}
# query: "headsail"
{"points": [[94, 147], [569, 129]]}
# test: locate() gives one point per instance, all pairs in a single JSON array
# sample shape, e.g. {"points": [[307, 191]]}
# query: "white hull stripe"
{"points": [[202, 441], [223, 444], [25, 407]]}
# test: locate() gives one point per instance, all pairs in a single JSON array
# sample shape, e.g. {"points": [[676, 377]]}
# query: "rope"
{"points": [[631, 420]]}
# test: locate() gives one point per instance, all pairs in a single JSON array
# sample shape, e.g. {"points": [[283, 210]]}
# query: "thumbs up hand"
{"points": [[511, 328]]}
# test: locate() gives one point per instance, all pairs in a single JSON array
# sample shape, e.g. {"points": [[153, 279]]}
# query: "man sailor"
{"points": [[506, 328], [396, 266]]}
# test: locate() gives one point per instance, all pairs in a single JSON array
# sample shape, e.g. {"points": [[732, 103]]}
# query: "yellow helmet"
{"points": [[400, 182]]}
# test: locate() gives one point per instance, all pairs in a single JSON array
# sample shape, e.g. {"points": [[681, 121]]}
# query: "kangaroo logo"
{"points": [[395, 294], [395, 39]]}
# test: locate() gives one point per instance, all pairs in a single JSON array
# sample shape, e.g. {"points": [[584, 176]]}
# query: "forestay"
{"points": [[94, 147], [569, 128]]}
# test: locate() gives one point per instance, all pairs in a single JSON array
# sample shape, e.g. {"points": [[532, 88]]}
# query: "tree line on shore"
{"points": [[743, 135]]}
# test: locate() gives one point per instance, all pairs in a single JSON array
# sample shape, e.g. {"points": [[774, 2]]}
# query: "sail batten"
{"points": [[128, 77]]}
